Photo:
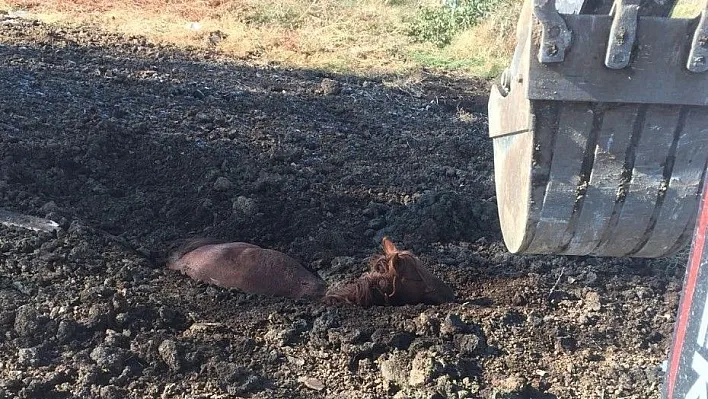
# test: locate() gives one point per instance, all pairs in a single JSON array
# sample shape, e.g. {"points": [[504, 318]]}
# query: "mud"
{"points": [[130, 146]]}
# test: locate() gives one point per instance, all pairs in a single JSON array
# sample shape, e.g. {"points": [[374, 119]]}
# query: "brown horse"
{"points": [[396, 278], [246, 267]]}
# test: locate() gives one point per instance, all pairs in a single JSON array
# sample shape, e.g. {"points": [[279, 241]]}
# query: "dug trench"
{"points": [[130, 145]]}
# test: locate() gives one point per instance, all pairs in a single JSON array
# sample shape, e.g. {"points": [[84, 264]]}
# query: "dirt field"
{"points": [[130, 146]]}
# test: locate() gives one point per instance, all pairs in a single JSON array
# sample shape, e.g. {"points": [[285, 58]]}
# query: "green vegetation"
{"points": [[440, 24]]}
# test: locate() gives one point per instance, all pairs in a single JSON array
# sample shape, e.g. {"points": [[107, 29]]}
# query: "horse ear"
{"points": [[388, 246]]}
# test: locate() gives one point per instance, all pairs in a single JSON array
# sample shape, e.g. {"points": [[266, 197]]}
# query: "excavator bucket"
{"points": [[600, 129]]}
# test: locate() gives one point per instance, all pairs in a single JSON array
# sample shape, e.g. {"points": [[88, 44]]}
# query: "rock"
{"points": [[22, 287], [29, 356], [222, 184], [442, 216], [567, 343], [26, 321], [643, 293], [512, 384], [328, 319], [534, 320], [252, 383], [466, 343], [97, 187], [453, 325], [114, 338], [127, 375], [108, 358], [422, 369], [92, 294], [592, 301], [100, 315], [216, 37], [330, 87], [426, 325], [401, 340], [204, 212], [513, 318], [167, 315], [224, 372], [312, 383], [111, 392], [296, 361], [120, 303], [655, 337], [244, 206], [591, 279], [88, 374], [349, 394], [394, 369], [280, 336], [519, 299], [358, 337], [380, 336], [122, 319], [444, 385], [169, 354], [372, 210]]}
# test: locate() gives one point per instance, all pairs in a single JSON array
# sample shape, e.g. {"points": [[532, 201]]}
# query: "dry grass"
{"points": [[365, 36], [350, 36], [492, 42], [687, 8]]}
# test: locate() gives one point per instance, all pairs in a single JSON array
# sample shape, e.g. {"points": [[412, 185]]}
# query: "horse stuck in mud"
{"points": [[396, 277]]}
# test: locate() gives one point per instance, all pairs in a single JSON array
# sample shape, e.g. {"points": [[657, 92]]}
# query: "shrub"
{"points": [[439, 25]]}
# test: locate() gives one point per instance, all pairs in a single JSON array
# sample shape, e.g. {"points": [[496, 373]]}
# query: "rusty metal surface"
{"points": [[555, 35], [623, 34], [656, 75]]}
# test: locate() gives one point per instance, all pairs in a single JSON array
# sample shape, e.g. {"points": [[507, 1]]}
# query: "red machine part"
{"points": [[687, 373]]}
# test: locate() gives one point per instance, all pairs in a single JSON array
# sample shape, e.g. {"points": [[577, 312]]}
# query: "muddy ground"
{"points": [[130, 146]]}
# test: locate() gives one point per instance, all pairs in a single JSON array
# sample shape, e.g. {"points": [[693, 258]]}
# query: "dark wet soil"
{"points": [[130, 146]]}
